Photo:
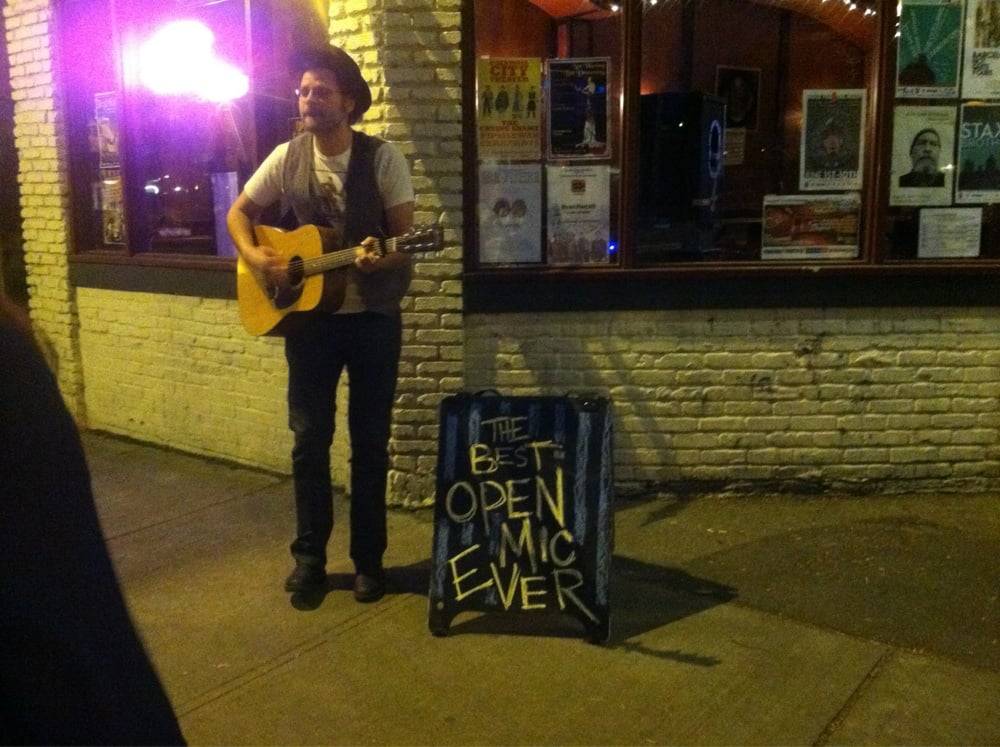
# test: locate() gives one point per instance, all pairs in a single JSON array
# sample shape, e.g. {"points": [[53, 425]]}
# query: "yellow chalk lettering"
{"points": [[513, 497], [527, 593], [543, 542], [500, 498], [449, 502], [479, 453], [456, 579], [562, 562], [557, 504], [524, 542], [507, 598], [536, 447], [568, 590]]}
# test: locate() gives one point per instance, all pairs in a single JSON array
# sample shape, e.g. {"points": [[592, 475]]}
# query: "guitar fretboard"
{"points": [[341, 258]]}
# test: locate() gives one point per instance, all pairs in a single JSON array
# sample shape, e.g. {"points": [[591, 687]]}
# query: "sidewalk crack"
{"points": [[824, 736]]}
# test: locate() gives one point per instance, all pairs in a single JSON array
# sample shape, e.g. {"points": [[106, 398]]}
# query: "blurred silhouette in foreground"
{"points": [[72, 668]]}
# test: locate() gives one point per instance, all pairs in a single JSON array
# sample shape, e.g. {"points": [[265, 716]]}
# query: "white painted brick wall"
{"points": [[409, 53], [853, 400]]}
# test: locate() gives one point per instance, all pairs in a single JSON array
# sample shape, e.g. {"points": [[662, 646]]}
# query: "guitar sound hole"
{"points": [[286, 295]]}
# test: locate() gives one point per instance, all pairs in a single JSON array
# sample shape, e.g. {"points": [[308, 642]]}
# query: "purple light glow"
{"points": [[178, 60]]}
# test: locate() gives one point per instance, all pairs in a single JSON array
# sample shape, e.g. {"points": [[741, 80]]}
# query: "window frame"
{"points": [[544, 287], [124, 267]]}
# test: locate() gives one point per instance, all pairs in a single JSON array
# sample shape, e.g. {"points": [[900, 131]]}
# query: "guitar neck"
{"points": [[340, 258]]}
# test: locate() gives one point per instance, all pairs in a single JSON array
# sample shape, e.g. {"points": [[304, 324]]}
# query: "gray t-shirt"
{"points": [[392, 174]]}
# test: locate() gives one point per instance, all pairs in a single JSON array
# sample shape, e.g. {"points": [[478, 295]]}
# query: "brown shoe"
{"points": [[369, 587]]}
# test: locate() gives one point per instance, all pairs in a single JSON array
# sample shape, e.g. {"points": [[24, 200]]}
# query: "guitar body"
{"points": [[266, 310]]}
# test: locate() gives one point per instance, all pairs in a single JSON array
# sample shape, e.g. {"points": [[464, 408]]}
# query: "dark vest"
{"points": [[365, 213]]}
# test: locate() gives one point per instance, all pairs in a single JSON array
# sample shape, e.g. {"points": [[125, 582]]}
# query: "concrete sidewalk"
{"points": [[734, 621]]}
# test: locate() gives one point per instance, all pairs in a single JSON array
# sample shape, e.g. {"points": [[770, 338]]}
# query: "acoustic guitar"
{"points": [[315, 275]]}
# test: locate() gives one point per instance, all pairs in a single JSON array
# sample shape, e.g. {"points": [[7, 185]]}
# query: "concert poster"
{"points": [[811, 227], [923, 148], [112, 206], [106, 121], [579, 214], [981, 76], [578, 104], [979, 154], [833, 146], [929, 49], [739, 87], [508, 111], [510, 214]]}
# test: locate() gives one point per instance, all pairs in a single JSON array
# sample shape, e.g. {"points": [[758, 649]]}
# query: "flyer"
{"points": [[508, 92], [950, 232], [510, 220], [106, 121], [832, 147], [923, 146], [811, 226], [981, 76], [112, 208], [579, 214], [979, 154], [927, 57], [735, 149], [578, 107], [739, 87]]}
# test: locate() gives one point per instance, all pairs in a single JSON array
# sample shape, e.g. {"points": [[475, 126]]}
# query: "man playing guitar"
{"points": [[334, 176]]}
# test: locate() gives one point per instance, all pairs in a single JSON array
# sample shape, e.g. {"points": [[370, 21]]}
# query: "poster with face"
{"points": [[981, 76], [578, 108], [833, 146], [923, 146], [510, 220], [106, 123], [979, 154], [739, 87], [930, 35]]}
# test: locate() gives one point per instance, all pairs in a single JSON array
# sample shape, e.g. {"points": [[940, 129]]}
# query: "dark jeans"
{"points": [[368, 344]]}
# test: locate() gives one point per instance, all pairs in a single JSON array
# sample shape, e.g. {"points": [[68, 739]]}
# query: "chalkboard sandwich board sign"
{"points": [[523, 516]]}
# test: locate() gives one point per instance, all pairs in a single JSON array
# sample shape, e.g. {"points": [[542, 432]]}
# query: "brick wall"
{"points": [[44, 191], [818, 400], [409, 53]]}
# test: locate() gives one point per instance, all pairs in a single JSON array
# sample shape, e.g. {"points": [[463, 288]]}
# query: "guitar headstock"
{"points": [[427, 237]]}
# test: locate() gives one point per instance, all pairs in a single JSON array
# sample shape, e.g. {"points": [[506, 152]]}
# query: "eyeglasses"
{"points": [[321, 93]]}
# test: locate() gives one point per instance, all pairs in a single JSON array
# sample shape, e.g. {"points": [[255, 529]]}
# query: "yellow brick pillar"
{"points": [[44, 181], [409, 52]]}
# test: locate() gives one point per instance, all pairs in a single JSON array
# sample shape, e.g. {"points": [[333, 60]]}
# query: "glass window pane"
{"points": [[754, 118], [944, 171], [548, 122]]}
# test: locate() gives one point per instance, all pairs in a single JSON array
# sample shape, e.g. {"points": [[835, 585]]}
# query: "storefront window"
{"points": [[548, 89], [161, 122], [759, 133], [944, 183]]}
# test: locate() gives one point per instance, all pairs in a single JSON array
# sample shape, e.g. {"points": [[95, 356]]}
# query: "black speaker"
{"points": [[680, 173]]}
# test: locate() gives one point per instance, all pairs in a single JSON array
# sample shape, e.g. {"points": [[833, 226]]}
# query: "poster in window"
{"points": [[510, 219], [106, 122], [578, 107], [112, 208], [508, 91], [981, 76], [578, 214], [923, 147], [739, 87], [811, 227], [930, 44], [832, 139], [950, 232], [979, 154]]}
